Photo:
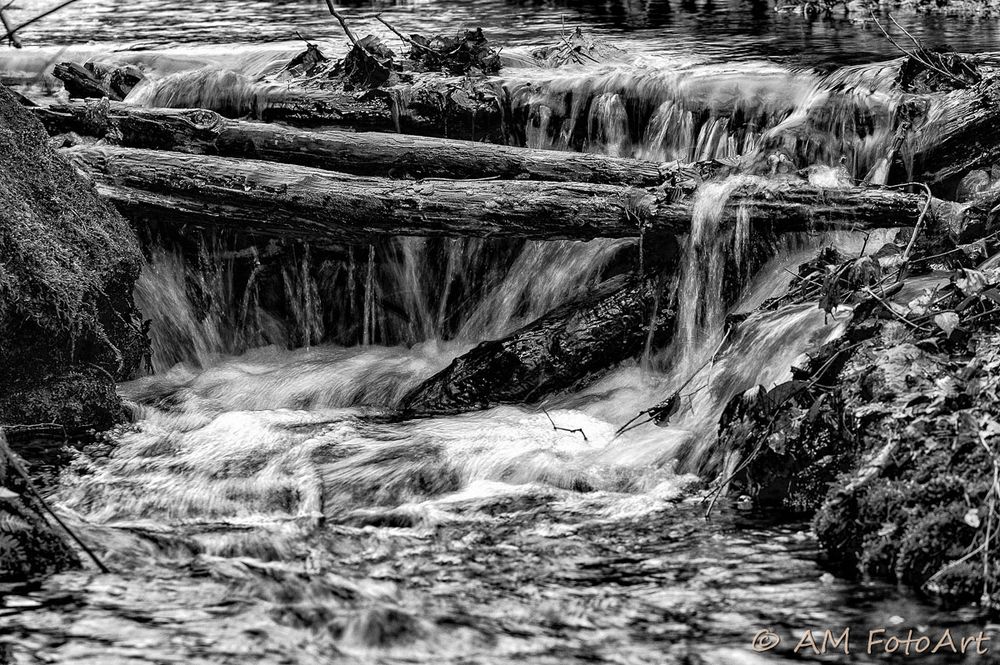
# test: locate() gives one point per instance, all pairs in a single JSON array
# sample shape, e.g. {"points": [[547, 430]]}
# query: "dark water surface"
{"points": [[727, 30]]}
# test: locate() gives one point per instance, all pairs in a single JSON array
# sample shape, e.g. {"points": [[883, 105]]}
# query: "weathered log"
{"points": [[964, 137], [559, 351], [80, 82], [94, 80], [283, 200], [425, 104], [366, 153]]}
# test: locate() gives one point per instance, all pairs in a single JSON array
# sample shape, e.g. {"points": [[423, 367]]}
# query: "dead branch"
{"points": [[11, 34], [556, 428], [343, 23]]}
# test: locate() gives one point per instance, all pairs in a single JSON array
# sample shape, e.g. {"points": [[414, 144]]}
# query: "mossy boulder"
{"points": [[68, 262], [891, 434]]}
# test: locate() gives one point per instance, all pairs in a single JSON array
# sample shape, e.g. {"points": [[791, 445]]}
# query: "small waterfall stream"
{"points": [[265, 507]]}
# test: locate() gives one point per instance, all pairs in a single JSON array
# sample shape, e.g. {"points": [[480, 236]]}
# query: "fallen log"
{"points": [[964, 137], [284, 200], [81, 82], [559, 351], [94, 80], [368, 153], [424, 104]]}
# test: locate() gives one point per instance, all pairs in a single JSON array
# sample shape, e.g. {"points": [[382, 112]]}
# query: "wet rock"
{"points": [[29, 546], [974, 183], [892, 435], [68, 262]]}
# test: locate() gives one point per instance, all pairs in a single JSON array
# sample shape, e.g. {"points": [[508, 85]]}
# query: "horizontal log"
{"points": [[559, 351], [285, 200], [360, 153], [426, 104]]}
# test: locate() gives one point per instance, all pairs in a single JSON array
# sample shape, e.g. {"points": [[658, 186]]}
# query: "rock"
{"points": [[68, 262], [972, 185], [890, 434], [29, 546]]}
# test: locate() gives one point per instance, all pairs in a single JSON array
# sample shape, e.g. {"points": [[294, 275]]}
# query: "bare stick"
{"points": [[408, 40], [31, 488], [10, 33], [564, 429], [12, 37], [343, 23], [892, 311], [916, 229], [914, 55]]}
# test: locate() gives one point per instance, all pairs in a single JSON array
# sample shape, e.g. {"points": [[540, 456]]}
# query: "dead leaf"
{"points": [[971, 282], [947, 321], [972, 518]]}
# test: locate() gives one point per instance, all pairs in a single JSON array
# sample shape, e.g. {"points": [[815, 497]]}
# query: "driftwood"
{"points": [[81, 82], [94, 80], [284, 200], [366, 153], [556, 352]]}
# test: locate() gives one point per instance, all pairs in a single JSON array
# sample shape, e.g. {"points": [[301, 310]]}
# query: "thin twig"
{"points": [[918, 227], [408, 40], [10, 33], [343, 23], [915, 56], [31, 489], [12, 36], [564, 429], [892, 311]]}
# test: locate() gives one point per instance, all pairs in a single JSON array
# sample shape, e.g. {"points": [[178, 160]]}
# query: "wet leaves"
{"points": [[947, 321], [464, 54]]}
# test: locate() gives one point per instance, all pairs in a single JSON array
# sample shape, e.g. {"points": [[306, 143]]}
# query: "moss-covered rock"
{"points": [[68, 262], [892, 435]]}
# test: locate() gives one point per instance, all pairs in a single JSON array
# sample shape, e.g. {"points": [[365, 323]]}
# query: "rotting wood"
{"points": [[558, 351], [361, 153], [286, 200]]}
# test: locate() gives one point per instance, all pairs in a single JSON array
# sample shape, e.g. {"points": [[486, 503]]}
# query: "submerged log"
{"points": [[283, 200], [424, 104], [367, 153], [556, 352]]}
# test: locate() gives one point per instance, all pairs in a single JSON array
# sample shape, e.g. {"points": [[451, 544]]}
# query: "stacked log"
{"points": [[282, 200], [202, 132]]}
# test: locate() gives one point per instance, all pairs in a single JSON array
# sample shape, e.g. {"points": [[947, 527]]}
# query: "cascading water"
{"points": [[266, 507]]}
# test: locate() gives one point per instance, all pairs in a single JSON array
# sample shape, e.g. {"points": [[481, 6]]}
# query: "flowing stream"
{"points": [[263, 507]]}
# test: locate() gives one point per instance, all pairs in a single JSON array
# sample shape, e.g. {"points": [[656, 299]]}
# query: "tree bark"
{"points": [[82, 83], [963, 138], [561, 350], [366, 153], [283, 200]]}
